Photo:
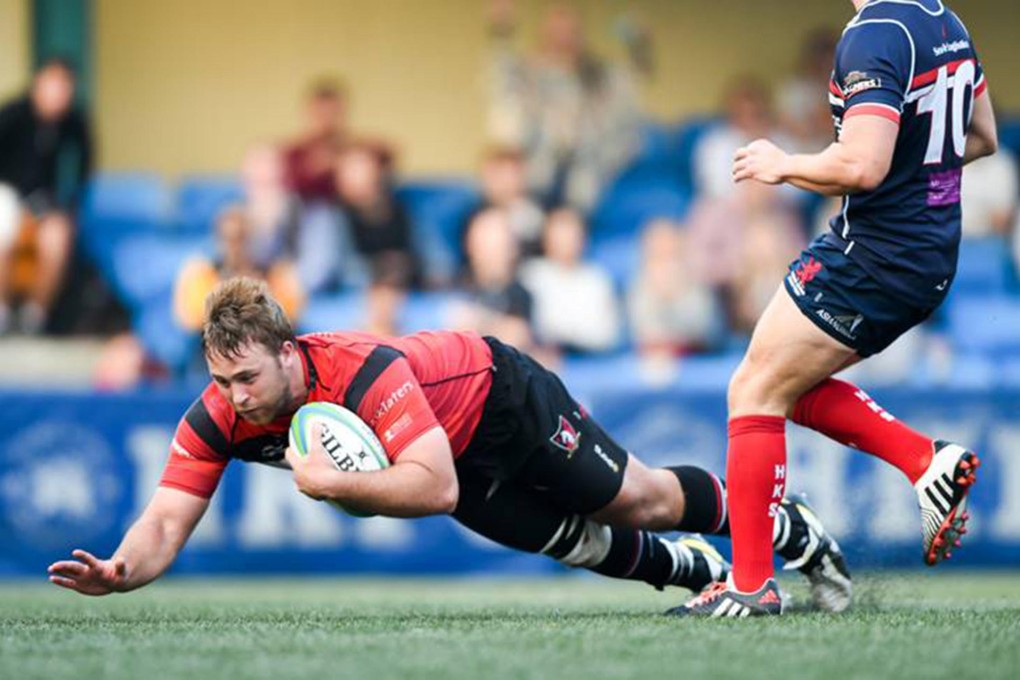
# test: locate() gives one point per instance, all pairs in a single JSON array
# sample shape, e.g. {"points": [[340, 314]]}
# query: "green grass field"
{"points": [[915, 625]]}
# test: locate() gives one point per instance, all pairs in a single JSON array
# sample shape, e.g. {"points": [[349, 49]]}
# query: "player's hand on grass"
{"points": [[760, 160], [88, 574], [311, 471]]}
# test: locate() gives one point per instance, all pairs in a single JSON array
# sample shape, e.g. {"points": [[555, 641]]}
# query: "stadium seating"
{"points": [[140, 196], [984, 267], [347, 310], [138, 230], [428, 311], [439, 209], [985, 325], [686, 138], [639, 195], [162, 337], [200, 199], [657, 147], [146, 265], [119, 204], [1009, 135], [620, 255]]}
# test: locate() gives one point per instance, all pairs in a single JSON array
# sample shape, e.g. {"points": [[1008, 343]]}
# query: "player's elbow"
{"points": [[991, 143], [445, 501], [866, 176]]}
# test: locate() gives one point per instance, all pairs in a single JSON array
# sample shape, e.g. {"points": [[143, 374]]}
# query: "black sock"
{"points": [[704, 501], [643, 556]]}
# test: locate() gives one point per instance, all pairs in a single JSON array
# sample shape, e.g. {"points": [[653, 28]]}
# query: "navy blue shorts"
{"points": [[846, 302]]}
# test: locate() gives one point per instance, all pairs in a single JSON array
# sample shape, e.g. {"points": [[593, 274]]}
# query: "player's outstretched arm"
{"points": [[982, 136], [148, 548], [421, 482], [859, 161]]}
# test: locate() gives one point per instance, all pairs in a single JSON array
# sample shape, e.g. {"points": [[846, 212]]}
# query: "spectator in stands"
{"points": [[771, 238], [45, 158], [671, 312], [283, 226], [736, 242], [802, 112], [574, 114], [498, 304], [989, 195], [380, 226], [505, 186], [311, 160], [381, 230], [575, 306], [236, 246], [748, 116]]}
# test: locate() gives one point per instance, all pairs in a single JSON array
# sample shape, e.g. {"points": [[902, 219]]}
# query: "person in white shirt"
{"points": [[575, 305]]}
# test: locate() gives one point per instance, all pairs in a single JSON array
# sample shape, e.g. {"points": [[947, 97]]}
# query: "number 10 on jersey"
{"points": [[957, 95]]}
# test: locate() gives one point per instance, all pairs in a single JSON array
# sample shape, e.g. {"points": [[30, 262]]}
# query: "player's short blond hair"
{"points": [[240, 311]]}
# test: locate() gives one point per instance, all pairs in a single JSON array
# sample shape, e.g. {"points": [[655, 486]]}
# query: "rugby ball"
{"points": [[347, 439]]}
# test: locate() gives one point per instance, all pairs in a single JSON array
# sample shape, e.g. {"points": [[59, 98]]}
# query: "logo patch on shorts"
{"points": [[845, 325], [803, 274], [566, 437]]}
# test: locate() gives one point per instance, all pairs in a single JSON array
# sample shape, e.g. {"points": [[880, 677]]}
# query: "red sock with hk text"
{"points": [[756, 484]]}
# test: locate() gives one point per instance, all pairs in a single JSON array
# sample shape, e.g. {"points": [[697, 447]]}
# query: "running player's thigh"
{"points": [[788, 356], [518, 518]]}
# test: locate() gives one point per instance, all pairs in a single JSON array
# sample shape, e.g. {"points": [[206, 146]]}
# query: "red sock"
{"points": [[844, 412], [756, 482]]}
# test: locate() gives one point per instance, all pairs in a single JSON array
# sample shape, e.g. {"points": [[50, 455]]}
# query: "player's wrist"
{"points": [[786, 168]]}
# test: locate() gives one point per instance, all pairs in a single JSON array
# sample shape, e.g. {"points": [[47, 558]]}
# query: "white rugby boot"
{"points": [[942, 493]]}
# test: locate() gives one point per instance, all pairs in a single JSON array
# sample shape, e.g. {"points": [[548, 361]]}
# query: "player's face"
{"points": [[254, 381]]}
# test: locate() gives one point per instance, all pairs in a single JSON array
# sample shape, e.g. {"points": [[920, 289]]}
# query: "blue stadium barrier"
{"points": [[76, 469]]}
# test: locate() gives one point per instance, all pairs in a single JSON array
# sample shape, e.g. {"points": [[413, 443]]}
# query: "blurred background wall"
{"points": [[14, 46], [416, 69]]}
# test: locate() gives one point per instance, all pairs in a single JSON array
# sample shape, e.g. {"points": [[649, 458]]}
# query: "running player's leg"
{"points": [[788, 356], [529, 520], [845, 302]]}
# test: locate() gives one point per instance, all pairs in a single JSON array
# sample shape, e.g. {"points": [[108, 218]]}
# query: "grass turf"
{"points": [[916, 625]]}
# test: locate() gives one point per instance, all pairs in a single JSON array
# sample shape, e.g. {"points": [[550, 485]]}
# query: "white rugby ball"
{"points": [[348, 440]]}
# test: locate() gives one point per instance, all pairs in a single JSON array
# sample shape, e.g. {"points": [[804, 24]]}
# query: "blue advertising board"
{"points": [[76, 469]]}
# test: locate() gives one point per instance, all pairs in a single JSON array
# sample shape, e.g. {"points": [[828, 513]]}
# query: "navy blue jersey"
{"points": [[912, 62]]}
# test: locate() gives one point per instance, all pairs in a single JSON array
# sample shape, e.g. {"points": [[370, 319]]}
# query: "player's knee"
{"points": [[755, 388], [580, 542], [645, 504]]}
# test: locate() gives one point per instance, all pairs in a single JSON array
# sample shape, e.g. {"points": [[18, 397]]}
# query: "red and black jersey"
{"points": [[402, 387]]}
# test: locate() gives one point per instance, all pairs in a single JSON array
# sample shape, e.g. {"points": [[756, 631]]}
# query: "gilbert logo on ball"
{"points": [[348, 441]]}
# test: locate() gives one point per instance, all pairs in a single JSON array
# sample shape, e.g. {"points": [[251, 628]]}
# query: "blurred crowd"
{"points": [[322, 214]]}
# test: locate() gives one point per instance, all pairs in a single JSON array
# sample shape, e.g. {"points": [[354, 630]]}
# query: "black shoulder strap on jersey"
{"points": [[377, 362], [313, 375], [205, 427]]}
